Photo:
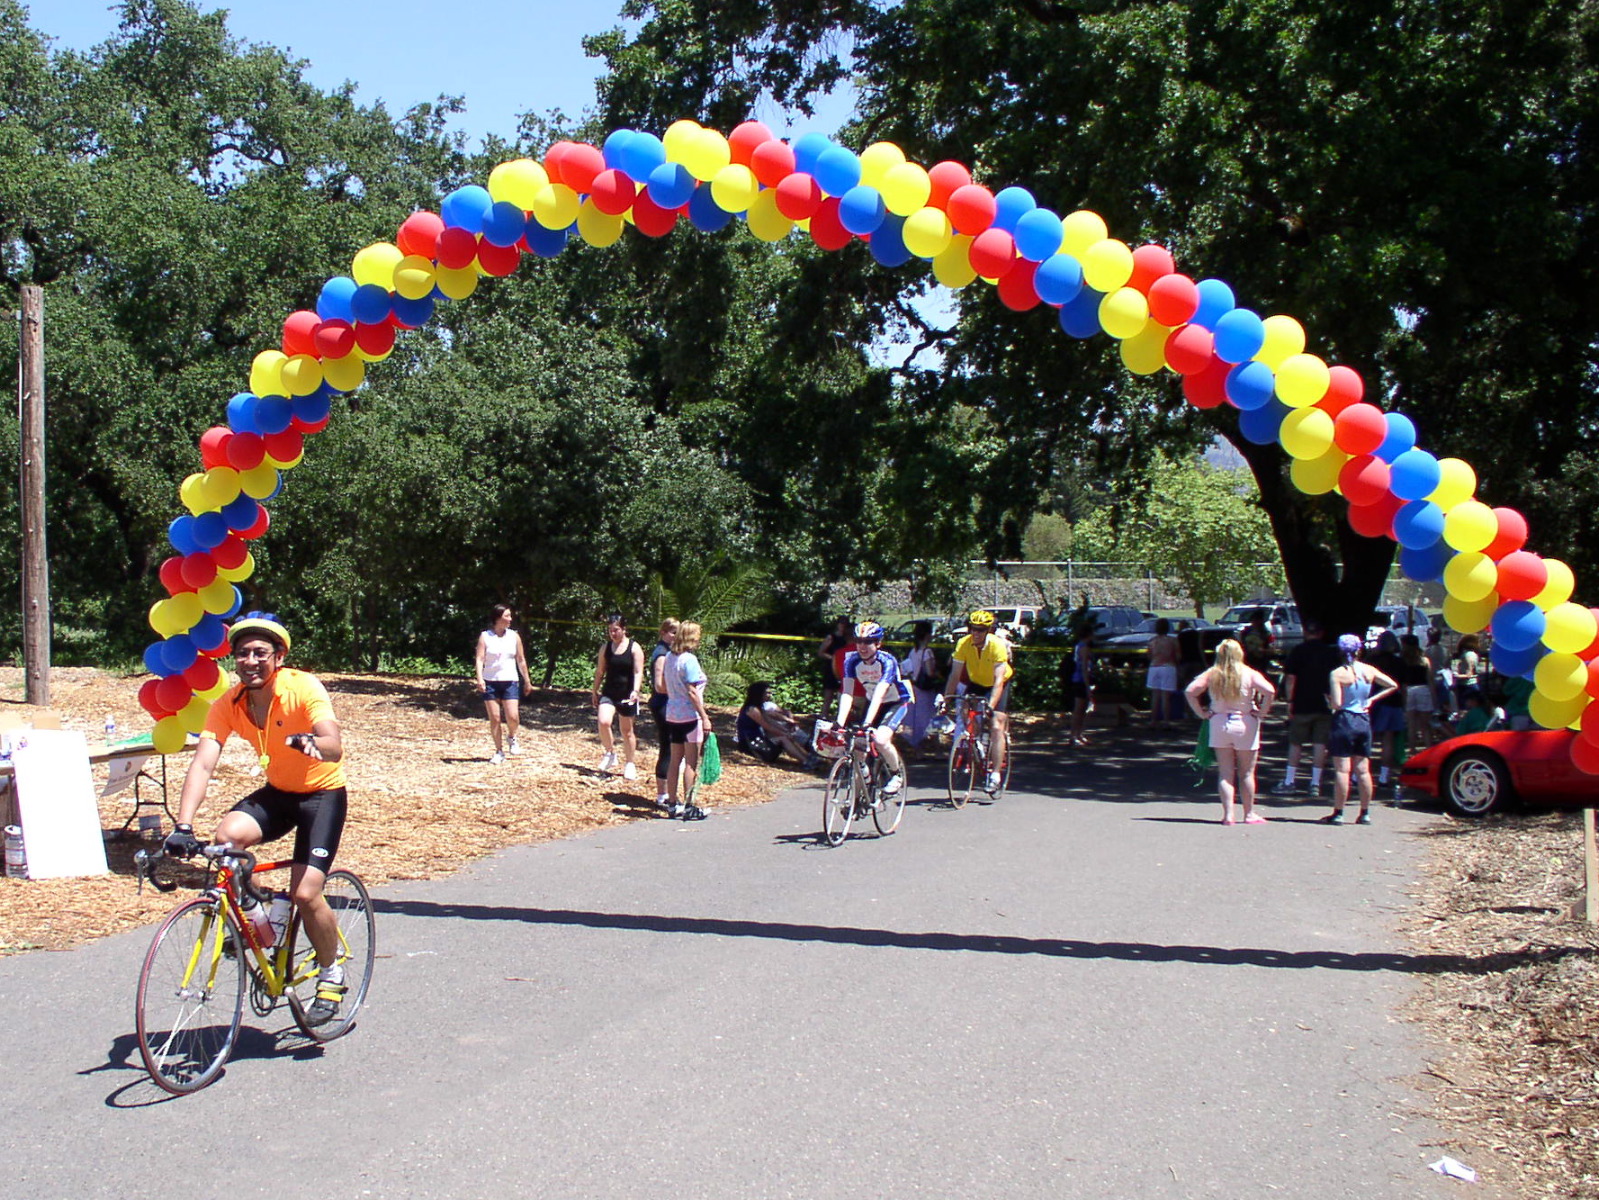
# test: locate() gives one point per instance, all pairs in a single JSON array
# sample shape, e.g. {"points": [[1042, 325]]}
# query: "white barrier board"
{"points": [[55, 797]]}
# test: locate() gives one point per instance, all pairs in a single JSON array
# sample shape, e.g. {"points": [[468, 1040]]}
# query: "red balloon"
{"points": [[495, 260], [798, 196], [553, 158], [1585, 754], [745, 138], [214, 446], [772, 162], [651, 219], [202, 673], [1512, 533], [262, 522], [297, 330], [826, 229], [333, 339], [199, 569], [1359, 429], [455, 248], [580, 164], [285, 446], [147, 700], [1592, 651], [947, 178], [245, 451], [1522, 575], [1150, 262], [992, 254], [374, 339], [1016, 291], [301, 425], [229, 552], [1375, 520], [971, 209], [1364, 480], [172, 576], [1208, 388], [1190, 350], [612, 192], [1344, 387], [419, 233], [173, 692], [1173, 299]]}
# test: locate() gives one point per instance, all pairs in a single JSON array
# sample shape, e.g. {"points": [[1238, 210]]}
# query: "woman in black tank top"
{"points": [[618, 673]]}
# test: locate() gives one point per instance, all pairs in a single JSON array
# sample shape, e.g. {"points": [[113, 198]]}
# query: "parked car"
{"points": [[1109, 620], [1397, 617], [1015, 620], [1282, 619], [902, 632], [1210, 635], [1480, 773]]}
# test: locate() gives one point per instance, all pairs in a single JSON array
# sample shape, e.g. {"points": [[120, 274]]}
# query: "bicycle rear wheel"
{"points": [[352, 909], [838, 802], [887, 810], [966, 768], [191, 997]]}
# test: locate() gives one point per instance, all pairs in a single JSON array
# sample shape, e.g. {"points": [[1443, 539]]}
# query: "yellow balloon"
{"points": [[1471, 576], [1470, 525], [236, 574], [1302, 380], [259, 481], [953, 265], [368, 356], [554, 207], [876, 162], [193, 714], [679, 139], [1307, 433], [927, 232], [765, 220], [1558, 589], [1569, 628], [266, 373], [302, 374], [734, 188], [413, 277], [217, 596], [168, 736], [185, 610], [597, 228], [1284, 337], [283, 464], [222, 486], [1145, 352], [162, 619], [345, 373], [455, 282], [707, 155], [375, 265], [1556, 714], [1318, 476], [1456, 483], [216, 689], [1124, 313], [1079, 231], [1561, 677], [906, 188], [1470, 616], [1107, 265], [517, 182], [192, 494]]}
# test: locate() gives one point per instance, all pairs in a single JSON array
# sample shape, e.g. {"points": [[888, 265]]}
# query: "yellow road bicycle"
{"points": [[207, 954]]}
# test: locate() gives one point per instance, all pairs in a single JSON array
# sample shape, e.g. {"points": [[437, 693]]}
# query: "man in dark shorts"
{"points": [[1306, 672], [287, 719]]}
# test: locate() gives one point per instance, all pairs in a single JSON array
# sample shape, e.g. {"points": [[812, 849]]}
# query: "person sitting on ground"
{"points": [[766, 729]]}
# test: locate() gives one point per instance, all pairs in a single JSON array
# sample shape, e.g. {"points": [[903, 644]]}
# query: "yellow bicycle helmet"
{"points": [[981, 619], [264, 624]]}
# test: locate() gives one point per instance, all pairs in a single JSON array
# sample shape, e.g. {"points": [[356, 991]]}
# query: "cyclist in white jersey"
{"points": [[873, 674]]}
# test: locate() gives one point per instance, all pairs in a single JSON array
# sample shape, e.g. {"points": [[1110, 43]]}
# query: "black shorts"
{"points": [[974, 692], [680, 732], [316, 817], [624, 707], [762, 749], [1351, 735], [1077, 689]]}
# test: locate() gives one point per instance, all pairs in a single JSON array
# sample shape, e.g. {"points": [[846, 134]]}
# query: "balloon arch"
{"points": [[1225, 354]]}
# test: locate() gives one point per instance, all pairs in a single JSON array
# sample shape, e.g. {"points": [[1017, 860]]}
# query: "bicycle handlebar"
{"points": [[145, 863]]}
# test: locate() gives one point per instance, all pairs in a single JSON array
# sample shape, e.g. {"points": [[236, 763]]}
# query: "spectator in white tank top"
{"points": [[502, 677]]}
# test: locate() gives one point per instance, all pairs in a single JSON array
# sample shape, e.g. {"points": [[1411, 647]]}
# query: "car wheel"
{"points": [[1476, 783]]}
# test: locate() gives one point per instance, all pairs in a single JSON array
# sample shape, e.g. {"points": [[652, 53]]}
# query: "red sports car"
{"points": [[1479, 773]]}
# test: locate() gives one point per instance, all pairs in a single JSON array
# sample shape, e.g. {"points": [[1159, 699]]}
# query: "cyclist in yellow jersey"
{"points": [[286, 717], [982, 662]]}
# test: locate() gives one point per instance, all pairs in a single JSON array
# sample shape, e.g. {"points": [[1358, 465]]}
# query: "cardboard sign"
{"points": [[55, 799]]}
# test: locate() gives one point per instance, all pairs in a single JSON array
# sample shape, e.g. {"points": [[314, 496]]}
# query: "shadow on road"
{"points": [[123, 1055]]}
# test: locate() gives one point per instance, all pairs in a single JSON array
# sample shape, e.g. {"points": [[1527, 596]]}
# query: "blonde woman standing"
{"points": [[687, 721], [1239, 697]]}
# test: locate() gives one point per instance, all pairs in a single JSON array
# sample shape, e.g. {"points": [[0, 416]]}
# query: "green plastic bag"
{"points": [[1203, 757], [710, 761]]}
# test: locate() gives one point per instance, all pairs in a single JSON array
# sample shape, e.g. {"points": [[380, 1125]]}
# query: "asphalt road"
{"points": [[1088, 989]]}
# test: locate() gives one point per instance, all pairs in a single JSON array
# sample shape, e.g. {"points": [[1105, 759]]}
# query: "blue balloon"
{"points": [[837, 170], [178, 652], [312, 408], [1517, 625], [547, 243], [333, 303], [808, 149], [669, 185], [181, 534], [1240, 333], [1414, 475], [1262, 425], [466, 207], [1059, 279], [1079, 316], [861, 210], [210, 530], [238, 603], [1038, 234], [504, 224], [1010, 205], [1426, 564], [208, 631], [154, 662], [371, 304], [615, 148], [416, 313], [705, 214], [241, 513], [1511, 662], [1418, 524], [1215, 298], [642, 154], [1401, 436], [888, 243], [273, 414], [1251, 386], [241, 413]]}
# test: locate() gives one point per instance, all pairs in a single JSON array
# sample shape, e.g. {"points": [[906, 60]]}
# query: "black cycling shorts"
{"points": [[316, 817], [977, 692]]}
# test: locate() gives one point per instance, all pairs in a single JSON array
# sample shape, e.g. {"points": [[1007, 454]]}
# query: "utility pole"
{"points": [[35, 566]]}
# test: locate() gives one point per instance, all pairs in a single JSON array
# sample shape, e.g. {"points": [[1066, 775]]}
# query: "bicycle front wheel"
{"points": [[838, 802], [191, 997], [352, 910], [887, 810], [965, 770]]}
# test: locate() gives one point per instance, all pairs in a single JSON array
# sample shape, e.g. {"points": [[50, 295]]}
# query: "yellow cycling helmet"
{"points": [[981, 619], [264, 624]]}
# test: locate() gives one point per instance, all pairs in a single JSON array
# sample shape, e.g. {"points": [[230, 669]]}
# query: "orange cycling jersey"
{"points": [[299, 701]]}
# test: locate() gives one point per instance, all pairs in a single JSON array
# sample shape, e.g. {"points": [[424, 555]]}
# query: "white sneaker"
{"points": [[993, 782], [893, 784], [496, 759], [630, 772], [607, 761], [511, 747]]}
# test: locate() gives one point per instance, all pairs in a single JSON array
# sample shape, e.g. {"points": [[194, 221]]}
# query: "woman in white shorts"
{"points": [[1161, 677], [1239, 697]]}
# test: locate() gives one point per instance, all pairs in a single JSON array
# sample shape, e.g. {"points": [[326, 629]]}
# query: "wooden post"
{"points": [[1590, 862], [35, 566]]}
